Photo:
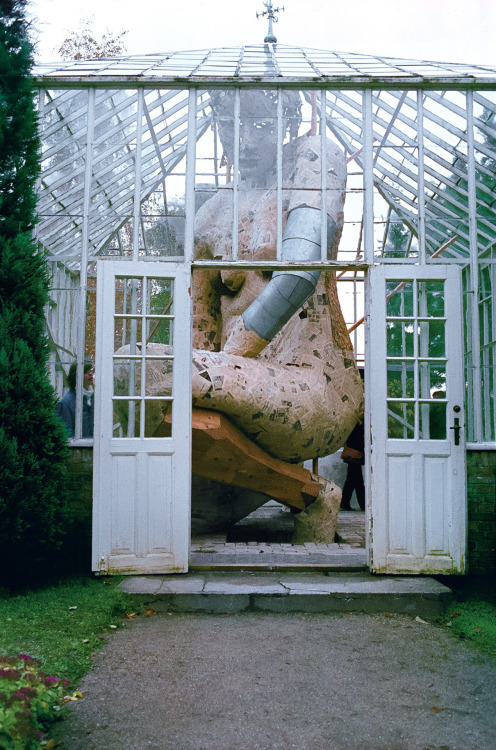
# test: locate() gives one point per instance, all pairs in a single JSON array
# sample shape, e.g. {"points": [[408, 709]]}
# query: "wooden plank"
{"points": [[222, 452], [227, 455]]}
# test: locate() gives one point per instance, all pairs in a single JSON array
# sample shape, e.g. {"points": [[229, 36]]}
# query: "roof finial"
{"points": [[271, 13]]}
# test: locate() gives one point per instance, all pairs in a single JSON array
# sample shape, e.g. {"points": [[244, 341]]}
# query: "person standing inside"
{"points": [[353, 456], [66, 407]]}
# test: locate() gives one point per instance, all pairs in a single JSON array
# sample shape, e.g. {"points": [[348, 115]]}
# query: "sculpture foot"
{"points": [[318, 522]]}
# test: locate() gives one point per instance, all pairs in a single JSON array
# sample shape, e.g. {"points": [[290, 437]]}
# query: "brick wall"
{"points": [[80, 481], [481, 498]]}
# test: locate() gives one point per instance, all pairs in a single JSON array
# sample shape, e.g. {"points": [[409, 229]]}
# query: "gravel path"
{"points": [[276, 682]]}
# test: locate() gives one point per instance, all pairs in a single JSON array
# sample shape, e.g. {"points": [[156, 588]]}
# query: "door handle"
{"points": [[456, 429]]}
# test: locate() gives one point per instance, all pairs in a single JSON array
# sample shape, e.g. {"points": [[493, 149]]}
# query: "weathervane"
{"points": [[271, 13]]}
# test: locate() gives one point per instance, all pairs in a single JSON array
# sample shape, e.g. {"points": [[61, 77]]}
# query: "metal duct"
{"points": [[288, 290]]}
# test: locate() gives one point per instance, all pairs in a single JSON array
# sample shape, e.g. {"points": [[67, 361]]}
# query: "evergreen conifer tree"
{"points": [[32, 440]]}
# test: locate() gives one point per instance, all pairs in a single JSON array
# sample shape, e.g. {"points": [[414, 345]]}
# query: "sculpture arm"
{"points": [[287, 290]]}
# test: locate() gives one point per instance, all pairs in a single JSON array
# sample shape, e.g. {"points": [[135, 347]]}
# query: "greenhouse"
{"points": [[181, 210]]}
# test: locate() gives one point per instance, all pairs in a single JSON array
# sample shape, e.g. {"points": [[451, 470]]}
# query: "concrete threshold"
{"points": [[232, 592], [262, 541], [331, 557]]}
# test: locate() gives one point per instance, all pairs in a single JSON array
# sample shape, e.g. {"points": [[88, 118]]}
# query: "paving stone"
{"points": [[182, 585], [244, 586], [141, 585]]}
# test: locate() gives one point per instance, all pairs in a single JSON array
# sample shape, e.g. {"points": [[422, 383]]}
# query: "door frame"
{"points": [[139, 525], [380, 558]]}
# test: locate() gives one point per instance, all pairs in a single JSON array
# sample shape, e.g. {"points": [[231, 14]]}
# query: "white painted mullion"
{"points": [[280, 136], [137, 174], [83, 277], [492, 357], [487, 354], [416, 355], [133, 333], [323, 176], [368, 178], [189, 228], [235, 181], [474, 270], [421, 176]]}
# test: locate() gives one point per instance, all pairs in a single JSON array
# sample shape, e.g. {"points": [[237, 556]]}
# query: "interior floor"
{"points": [[268, 532]]}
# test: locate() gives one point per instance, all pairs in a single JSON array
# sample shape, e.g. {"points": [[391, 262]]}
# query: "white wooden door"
{"points": [[142, 447], [415, 398]]}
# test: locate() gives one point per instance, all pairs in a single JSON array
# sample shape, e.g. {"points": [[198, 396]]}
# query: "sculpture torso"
{"points": [[306, 403]]}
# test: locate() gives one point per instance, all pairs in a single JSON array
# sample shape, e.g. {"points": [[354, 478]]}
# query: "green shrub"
{"points": [[32, 440]]}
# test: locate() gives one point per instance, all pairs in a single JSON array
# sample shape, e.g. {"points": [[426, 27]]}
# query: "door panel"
{"points": [[415, 390], [142, 445]]}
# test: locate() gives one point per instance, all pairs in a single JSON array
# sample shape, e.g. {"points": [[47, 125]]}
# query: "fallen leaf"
{"points": [[130, 615], [74, 697], [150, 611], [436, 709], [419, 619]]}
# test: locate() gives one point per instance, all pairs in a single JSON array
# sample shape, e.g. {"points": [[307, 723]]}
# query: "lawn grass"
{"points": [[47, 639], [472, 615], [62, 625]]}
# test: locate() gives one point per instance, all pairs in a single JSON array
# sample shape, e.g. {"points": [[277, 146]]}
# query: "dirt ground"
{"points": [[275, 682]]}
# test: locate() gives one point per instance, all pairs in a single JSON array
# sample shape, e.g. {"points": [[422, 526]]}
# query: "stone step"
{"points": [[259, 556], [228, 592]]}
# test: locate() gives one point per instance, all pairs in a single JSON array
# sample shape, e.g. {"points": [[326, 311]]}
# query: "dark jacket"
{"points": [[66, 410], [356, 439]]}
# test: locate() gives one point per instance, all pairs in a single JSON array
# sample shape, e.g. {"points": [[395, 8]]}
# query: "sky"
{"points": [[435, 30]]}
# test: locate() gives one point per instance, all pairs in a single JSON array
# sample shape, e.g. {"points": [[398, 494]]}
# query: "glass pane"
{"points": [[126, 418], [128, 296], [159, 331], [158, 377], [399, 338], [215, 157], [128, 333], [432, 379], [400, 379], [433, 421], [399, 298], [401, 420], [158, 418], [164, 236], [127, 377], [431, 299], [159, 296], [432, 338]]}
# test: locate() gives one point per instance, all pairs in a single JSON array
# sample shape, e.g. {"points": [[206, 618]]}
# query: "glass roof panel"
{"points": [[395, 133], [264, 60]]}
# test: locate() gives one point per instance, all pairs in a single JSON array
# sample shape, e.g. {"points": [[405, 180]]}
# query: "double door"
{"points": [[414, 417]]}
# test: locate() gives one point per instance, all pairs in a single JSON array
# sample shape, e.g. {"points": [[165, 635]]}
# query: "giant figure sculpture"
{"points": [[274, 355], [271, 351]]}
